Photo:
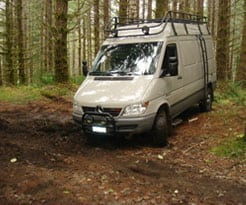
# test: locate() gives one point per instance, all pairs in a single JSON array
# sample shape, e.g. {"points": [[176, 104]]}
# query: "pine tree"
{"points": [[96, 26], [149, 16], [9, 47], [161, 8], [222, 54], [21, 65], [123, 11], [61, 63], [241, 73]]}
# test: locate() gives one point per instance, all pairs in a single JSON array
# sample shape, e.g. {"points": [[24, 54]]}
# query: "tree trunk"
{"points": [[143, 10], [61, 64], [89, 39], [200, 7], [186, 6], [175, 5], [26, 37], [149, 9], [9, 72], [42, 46], [79, 41], [96, 26], [133, 9], [1, 72], [21, 66], [161, 8], [241, 73], [222, 54], [84, 40], [123, 11], [73, 56], [106, 16], [213, 19], [49, 38]]}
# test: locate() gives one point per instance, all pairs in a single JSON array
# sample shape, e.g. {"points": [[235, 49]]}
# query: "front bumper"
{"points": [[90, 121]]}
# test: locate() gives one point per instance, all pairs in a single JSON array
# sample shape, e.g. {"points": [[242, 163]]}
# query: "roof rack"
{"points": [[120, 24]]}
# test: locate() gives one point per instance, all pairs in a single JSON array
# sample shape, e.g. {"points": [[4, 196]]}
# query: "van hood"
{"points": [[112, 91]]}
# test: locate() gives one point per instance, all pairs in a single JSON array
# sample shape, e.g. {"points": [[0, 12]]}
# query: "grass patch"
{"points": [[60, 90], [25, 94], [77, 79], [230, 105], [233, 148], [20, 95], [229, 93]]}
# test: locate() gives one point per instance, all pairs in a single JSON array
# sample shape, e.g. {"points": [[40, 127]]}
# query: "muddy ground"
{"points": [[45, 159]]}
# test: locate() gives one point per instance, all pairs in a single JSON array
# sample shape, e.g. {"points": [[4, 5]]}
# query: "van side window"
{"points": [[170, 64]]}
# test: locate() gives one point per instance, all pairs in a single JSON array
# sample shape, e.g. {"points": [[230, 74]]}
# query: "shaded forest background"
{"points": [[46, 40]]}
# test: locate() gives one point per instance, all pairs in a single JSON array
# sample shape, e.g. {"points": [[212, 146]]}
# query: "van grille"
{"points": [[112, 111]]}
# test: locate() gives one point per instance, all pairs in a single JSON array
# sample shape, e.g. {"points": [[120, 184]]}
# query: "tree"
{"points": [[211, 16], [9, 70], [200, 7], [149, 16], [174, 5], [123, 11], [133, 9], [106, 16], [161, 8], [35, 35], [96, 25], [48, 36], [21, 65], [222, 54], [241, 73], [61, 63], [79, 37], [186, 6]]}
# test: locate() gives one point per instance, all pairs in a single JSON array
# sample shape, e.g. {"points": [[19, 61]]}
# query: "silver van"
{"points": [[145, 74]]}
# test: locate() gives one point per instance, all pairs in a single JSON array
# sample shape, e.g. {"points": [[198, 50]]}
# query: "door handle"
{"points": [[179, 77]]}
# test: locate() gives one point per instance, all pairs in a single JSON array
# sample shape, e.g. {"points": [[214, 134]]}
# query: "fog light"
{"points": [[103, 122], [89, 119]]}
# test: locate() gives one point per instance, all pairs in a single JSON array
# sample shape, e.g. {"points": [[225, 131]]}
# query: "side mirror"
{"points": [[84, 68], [163, 73], [173, 68]]}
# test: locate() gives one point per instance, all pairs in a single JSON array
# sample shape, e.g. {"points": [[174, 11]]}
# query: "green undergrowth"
{"points": [[230, 99], [19, 95], [228, 93], [25, 94], [232, 148]]}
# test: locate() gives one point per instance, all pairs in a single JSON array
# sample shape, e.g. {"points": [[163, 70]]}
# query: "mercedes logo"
{"points": [[99, 109]]}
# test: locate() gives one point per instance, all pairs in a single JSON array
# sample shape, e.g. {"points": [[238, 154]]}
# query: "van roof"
{"points": [[173, 23]]}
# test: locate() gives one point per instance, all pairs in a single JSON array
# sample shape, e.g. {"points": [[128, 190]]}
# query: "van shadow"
{"points": [[137, 141], [190, 113]]}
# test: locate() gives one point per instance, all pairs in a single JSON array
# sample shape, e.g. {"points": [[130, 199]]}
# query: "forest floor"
{"points": [[45, 159]]}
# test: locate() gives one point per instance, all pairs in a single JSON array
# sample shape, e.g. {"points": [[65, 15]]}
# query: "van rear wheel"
{"points": [[206, 104], [161, 129]]}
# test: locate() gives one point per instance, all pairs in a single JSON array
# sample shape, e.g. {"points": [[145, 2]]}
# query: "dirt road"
{"points": [[45, 159]]}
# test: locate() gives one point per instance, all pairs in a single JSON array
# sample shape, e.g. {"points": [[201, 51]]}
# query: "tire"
{"points": [[161, 129], [206, 104]]}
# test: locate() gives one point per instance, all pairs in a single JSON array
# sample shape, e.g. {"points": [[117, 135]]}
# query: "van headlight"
{"points": [[135, 109], [77, 108]]}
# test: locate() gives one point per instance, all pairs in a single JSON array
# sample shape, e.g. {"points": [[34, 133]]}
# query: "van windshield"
{"points": [[127, 59]]}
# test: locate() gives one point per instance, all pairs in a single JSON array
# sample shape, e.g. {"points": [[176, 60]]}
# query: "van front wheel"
{"points": [[161, 129]]}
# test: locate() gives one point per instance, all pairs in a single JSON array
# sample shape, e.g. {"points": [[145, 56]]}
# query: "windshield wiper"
{"points": [[99, 73], [124, 73], [118, 72]]}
